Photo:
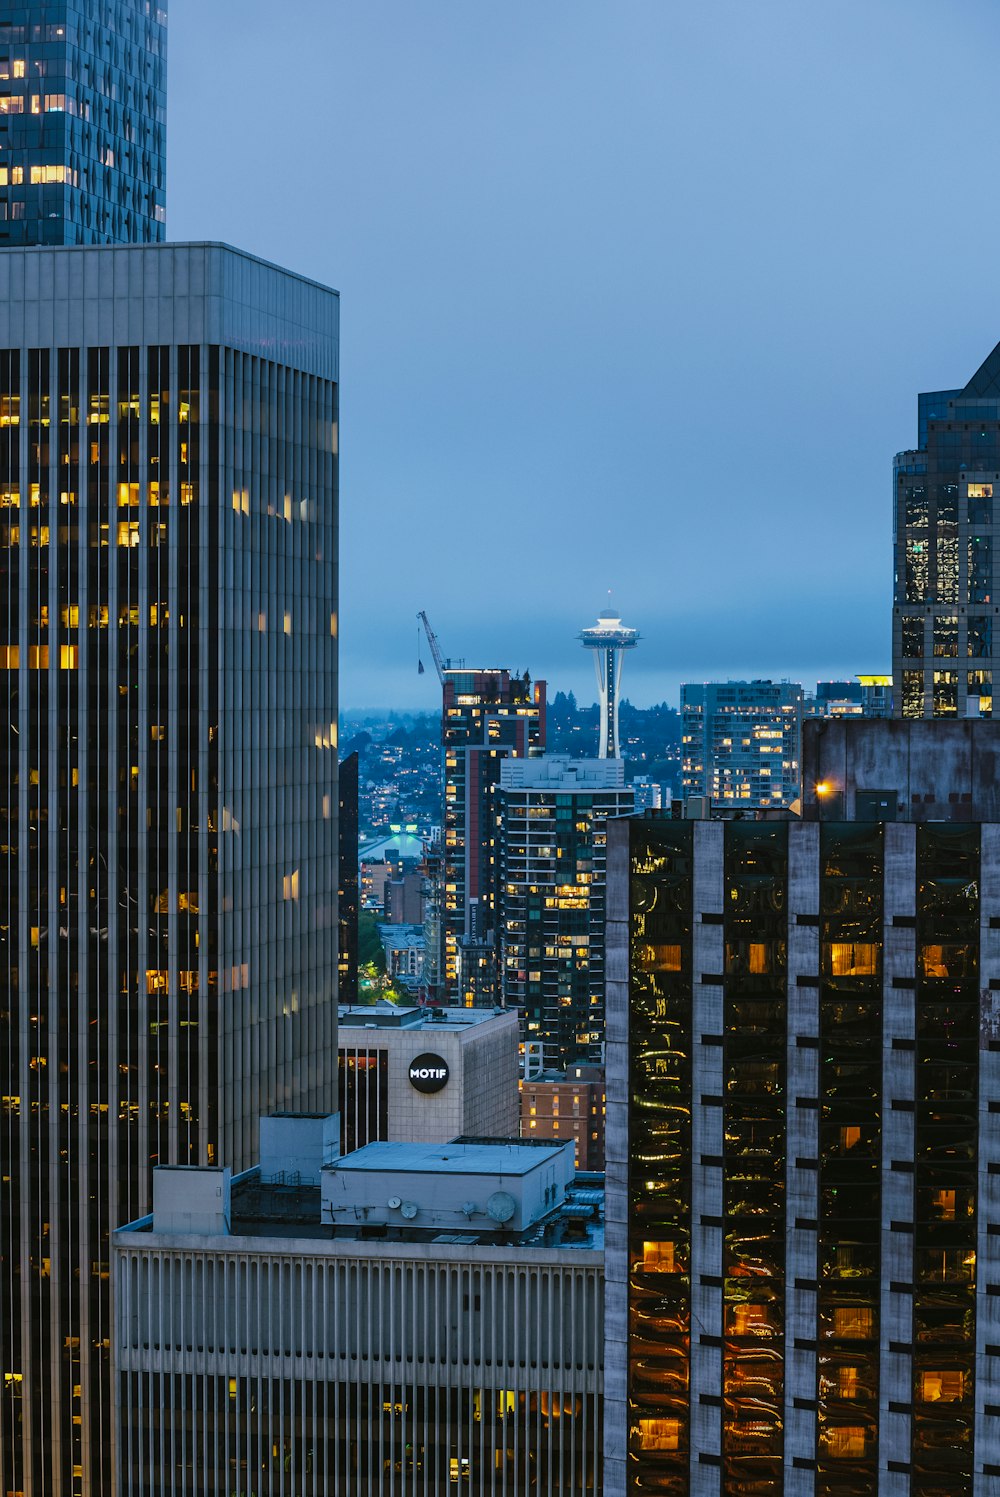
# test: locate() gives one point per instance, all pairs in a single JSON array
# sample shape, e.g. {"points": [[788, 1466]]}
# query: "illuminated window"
{"points": [[660, 1257], [944, 1201], [851, 959], [659, 1434], [945, 632], [844, 1442], [847, 1382], [852, 1323], [659, 958], [10, 657], [941, 1387], [290, 885]]}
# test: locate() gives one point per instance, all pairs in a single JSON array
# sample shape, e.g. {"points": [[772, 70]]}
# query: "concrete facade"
{"points": [[480, 1097], [303, 1361]]}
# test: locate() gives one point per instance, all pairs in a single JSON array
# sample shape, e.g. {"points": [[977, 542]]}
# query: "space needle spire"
{"points": [[609, 639]]}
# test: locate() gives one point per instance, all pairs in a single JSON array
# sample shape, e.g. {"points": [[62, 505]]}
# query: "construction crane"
{"points": [[435, 648]]}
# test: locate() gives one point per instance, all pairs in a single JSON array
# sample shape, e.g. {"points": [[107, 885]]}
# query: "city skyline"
{"points": [[592, 272]]}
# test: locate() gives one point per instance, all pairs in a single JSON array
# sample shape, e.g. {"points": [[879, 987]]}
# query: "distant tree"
{"points": [[370, 952]]}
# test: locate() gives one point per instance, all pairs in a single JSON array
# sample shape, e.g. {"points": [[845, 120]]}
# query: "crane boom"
{"points": [[435, 648]]}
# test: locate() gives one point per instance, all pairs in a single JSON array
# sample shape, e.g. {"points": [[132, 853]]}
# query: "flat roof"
{"points": [[417, 1016], [493, 1158]]}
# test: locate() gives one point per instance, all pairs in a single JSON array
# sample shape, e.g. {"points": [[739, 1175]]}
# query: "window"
{"points": [[980, 569], [851, 959], [913, 694], [659, 1434], [660, 1257], [913, 637], [945, 693], [980, 504], [844, 1442], [979, 639], [852, 1323], [941, 1387], [946, 635]]}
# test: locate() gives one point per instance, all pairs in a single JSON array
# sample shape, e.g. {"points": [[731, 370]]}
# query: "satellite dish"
{"points": [[501, 1206], [393, 1203], [409, 1210]]}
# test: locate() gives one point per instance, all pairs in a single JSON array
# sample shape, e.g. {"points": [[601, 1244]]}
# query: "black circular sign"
{"points": [[428, 1073]]}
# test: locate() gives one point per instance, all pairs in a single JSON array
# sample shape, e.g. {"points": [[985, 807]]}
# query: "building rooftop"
{"points": [[562, 773], [460, 1157], [423, 1016]]}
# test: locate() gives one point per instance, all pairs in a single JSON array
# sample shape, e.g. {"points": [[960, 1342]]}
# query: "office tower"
{"points": [[384, 1096], [83, 114], [803, 1067], [742, 742], [567, 1105], [552, 815], [487, 716], [418, 1319], [168, 836], [648, 793], [608, 639], [348, 893], [945, 566]]}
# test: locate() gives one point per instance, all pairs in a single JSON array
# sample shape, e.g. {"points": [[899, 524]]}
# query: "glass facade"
{"points": [[754, 1039], [486, 716], [850, 1147], [168, 827], [551, 902], [946, 583], [946, 1163], [83, 122], [660, 1157], [742, 742], [848, 1309]]}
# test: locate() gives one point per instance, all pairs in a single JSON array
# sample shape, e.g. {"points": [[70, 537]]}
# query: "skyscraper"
{"points": [[486, 716], [552, 815], [168, 828], [803, 1068], [82, 122], [944, 618], [742, 742]]}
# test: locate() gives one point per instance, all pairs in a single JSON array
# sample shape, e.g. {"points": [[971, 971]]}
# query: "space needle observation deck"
{"points": [[609, 639]]}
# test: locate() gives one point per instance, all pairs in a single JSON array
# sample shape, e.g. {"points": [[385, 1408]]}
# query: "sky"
{"points": [[635, 295]]}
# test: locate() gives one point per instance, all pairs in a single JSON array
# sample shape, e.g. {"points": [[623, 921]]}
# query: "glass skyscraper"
{"points": [[945, 617], [83, 122], [168, 822]]}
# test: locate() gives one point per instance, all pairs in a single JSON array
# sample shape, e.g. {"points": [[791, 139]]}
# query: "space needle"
{"points": [[609, 639]]}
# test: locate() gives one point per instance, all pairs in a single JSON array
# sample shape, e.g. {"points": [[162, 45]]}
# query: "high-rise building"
{"points": [[348, 891], [418, 1319], [83, 113], [803, 1068], [742, 743], [608, 640], [168, 823], [552, 815], [488, 716], [945, 563]]}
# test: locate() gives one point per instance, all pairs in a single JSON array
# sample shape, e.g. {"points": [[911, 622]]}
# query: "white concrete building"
{"points": [[257, 1350], [382, 1096]]}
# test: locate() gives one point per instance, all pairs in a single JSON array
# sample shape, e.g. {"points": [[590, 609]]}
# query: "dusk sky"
{"points": [[635, 295]]}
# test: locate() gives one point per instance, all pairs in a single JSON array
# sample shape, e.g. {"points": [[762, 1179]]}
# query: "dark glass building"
{"points": [[83, 122], [486, 716], [946, 609], [552, 815], [803, 1038], [168, 821]]}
